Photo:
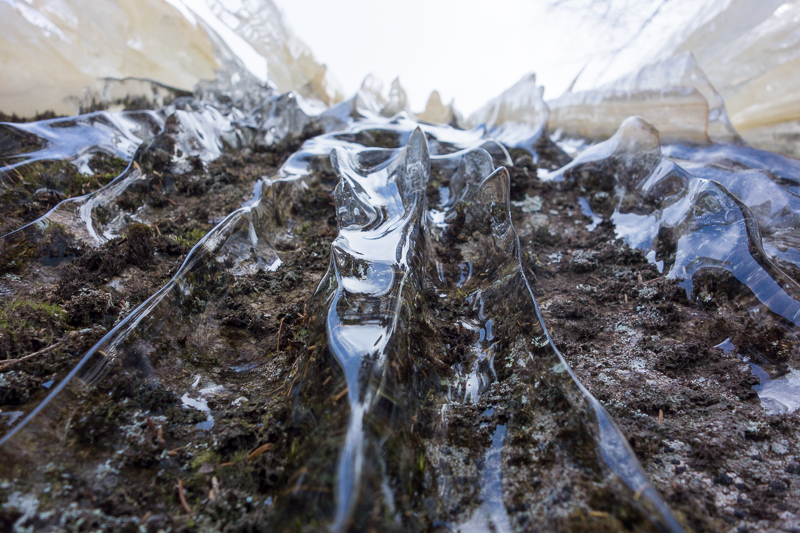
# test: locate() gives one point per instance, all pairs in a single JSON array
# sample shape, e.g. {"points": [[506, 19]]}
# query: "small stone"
{"points": [[724, 479], [675, 461], [778, 486], [680, 469]]}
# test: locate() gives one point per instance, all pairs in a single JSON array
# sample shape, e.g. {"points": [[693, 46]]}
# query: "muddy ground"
{"points": [[635, 339]]}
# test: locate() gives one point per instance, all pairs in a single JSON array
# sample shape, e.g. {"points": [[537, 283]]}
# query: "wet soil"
{"points": [[132, 456]]}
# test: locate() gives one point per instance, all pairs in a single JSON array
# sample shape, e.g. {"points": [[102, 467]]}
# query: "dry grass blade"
{"points": [[258, 451], [182, 497]]}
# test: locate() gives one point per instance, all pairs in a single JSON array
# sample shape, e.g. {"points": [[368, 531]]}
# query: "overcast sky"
{"points": [[472, 50]]}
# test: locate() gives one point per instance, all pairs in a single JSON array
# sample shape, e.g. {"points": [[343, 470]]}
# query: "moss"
{"points": [[205, 457], [191, 237], [27, 326]]}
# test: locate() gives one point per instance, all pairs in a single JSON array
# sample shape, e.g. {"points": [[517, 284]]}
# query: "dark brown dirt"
{"points": [[646, 351]]}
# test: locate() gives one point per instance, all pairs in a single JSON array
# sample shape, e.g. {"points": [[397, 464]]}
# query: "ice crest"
{"points": [[518, 117], [417, 168], [635, 147], [397, 101], [436, 112]]}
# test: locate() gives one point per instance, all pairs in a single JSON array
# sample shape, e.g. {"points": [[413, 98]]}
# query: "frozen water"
{"points": [[424, 241]]}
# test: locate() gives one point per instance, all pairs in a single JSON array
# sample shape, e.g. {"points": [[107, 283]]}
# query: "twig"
{"points": [[340, 395], [280, 329], [11, 362], [182, 497], [532, 274], [492, 346], [660, 417]]}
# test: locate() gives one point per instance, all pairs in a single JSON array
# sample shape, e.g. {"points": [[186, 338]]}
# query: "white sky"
{"points": [[472, 50]]}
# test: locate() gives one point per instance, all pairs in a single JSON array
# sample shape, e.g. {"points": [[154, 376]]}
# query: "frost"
{"points": [[529, 205]]}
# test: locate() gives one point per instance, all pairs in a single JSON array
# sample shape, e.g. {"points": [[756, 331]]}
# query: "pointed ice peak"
{"points": [[288, 117], [398, 101], [438, 113], [417, 164], [370, 97], [373, 87], [522, 103], [494, 196], [636, 135]]}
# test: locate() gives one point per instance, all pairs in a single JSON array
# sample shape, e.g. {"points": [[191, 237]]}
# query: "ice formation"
{"points": [[424, 244], [369, 307], [749, 52], [688, 222], [54, 51]]}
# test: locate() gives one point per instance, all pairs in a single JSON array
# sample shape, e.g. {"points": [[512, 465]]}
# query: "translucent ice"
{"points": [[679, 113], [690, 222], [69, 45], [518, 117]]}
